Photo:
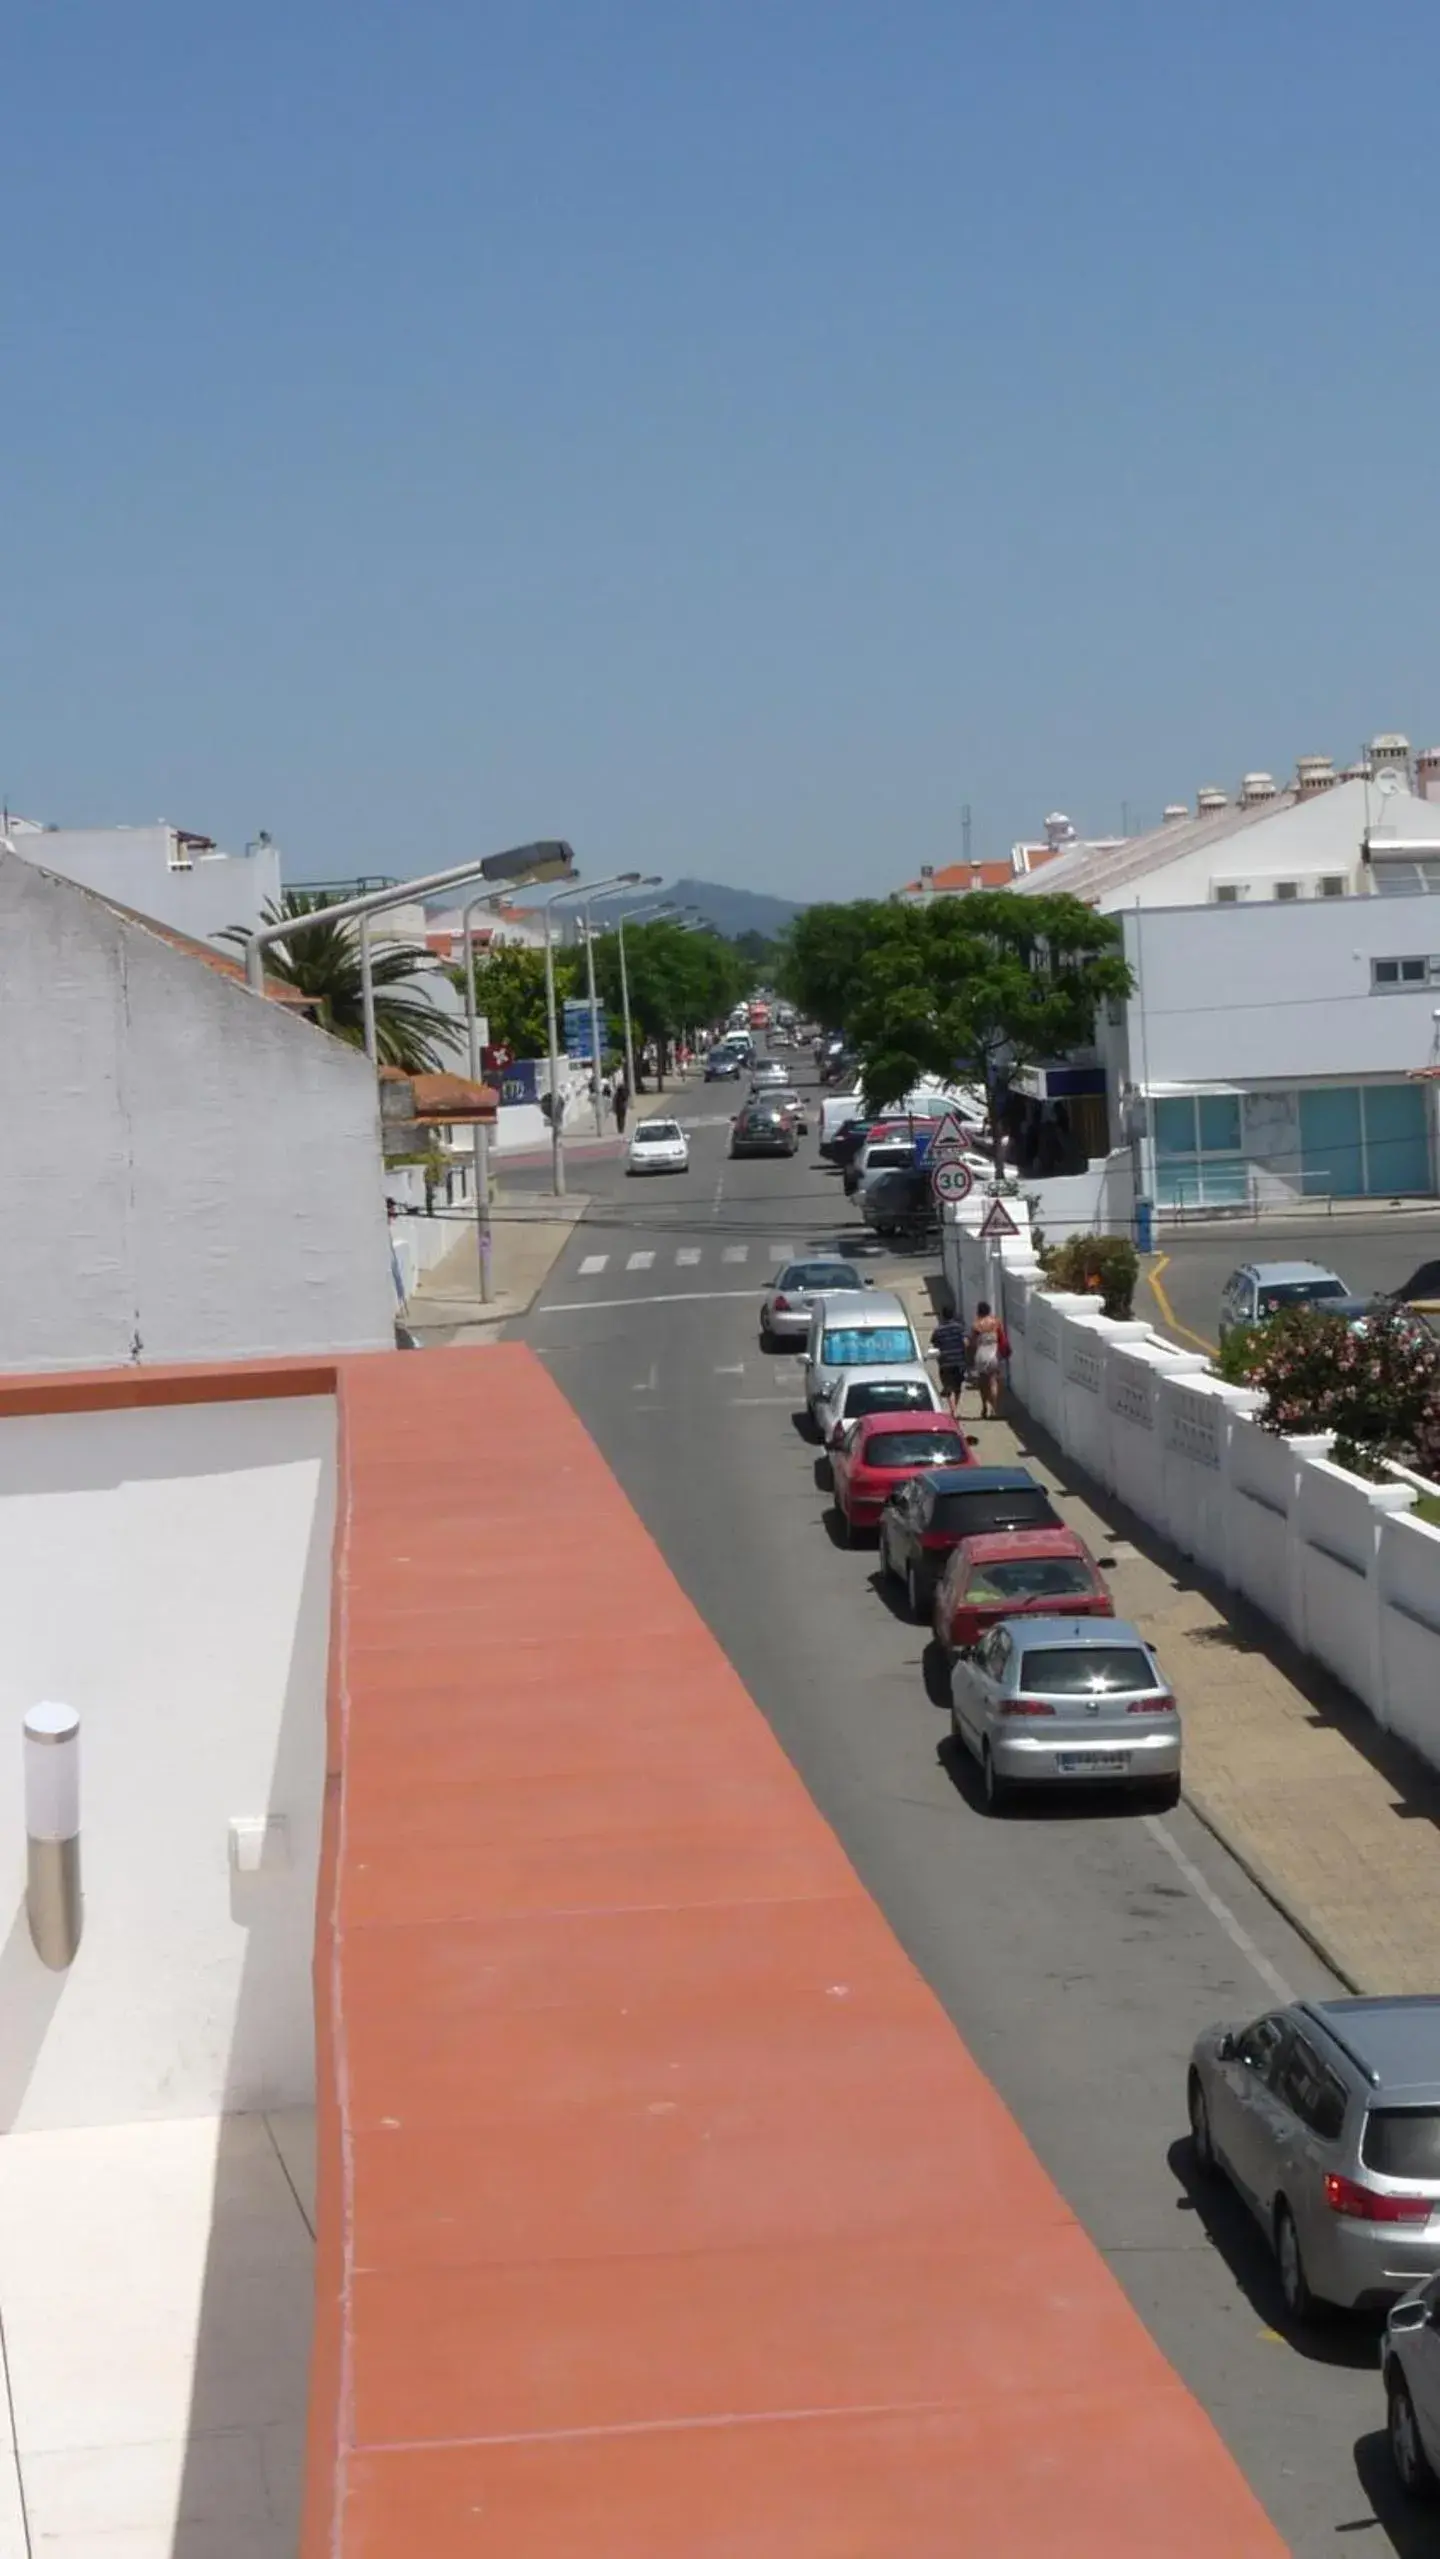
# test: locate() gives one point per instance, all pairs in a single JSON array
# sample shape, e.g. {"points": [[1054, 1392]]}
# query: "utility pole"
{"points": [[965, 834]]}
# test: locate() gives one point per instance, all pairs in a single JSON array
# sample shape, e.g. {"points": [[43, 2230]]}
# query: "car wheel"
{"points": [[1406, 2450], [997, 1793], [1299, 2300], [847, 1525], [1200, 2134], [1165, 1794]]}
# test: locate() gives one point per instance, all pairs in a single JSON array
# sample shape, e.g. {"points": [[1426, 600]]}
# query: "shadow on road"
{"points": [[1348, 2340]]}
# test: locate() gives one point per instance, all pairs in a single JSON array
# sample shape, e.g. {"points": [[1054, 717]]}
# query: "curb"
{"points": [[1292, 1912]]}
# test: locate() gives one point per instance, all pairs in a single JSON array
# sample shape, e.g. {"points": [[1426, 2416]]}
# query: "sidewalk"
{"points": [[529, 1231], [1335, 1820]]}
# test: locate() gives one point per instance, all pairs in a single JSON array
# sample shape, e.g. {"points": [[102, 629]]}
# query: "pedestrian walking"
{"points": [[949, 1343], [621, 1099], [986, 1349]]}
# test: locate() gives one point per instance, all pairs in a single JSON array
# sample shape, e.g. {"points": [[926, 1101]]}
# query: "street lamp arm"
{"points": [[525, 862]]}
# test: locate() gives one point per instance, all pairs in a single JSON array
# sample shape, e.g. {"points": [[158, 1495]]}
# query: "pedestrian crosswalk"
{"points": [[761, 1258]]}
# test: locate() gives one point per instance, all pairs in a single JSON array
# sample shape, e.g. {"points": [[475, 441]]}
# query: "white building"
{"points": [[1271, 1050], [191, 1173], [1325, 835], [167, 872]]}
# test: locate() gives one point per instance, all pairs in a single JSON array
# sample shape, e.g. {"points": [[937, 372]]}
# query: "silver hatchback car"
{"points": [[1066, 1700], [786, 1304], [1326, 2116]]}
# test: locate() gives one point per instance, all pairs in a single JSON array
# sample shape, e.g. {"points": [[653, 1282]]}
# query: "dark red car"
{"points": [[881, 1450], [1044, 1572]]}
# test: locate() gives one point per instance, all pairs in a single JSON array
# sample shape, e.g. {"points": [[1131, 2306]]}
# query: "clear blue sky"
{"points": [[731, 433]]}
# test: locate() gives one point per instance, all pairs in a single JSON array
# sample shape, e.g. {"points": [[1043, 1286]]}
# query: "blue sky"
{"points": [[734, 435]]}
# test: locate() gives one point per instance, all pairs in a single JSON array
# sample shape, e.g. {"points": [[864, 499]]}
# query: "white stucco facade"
{"points": [[1345, 841], [192, 1173], [1274, 1050], [160, 871]]}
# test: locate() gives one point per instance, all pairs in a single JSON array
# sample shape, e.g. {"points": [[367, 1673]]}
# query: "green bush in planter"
{"points": [[1106, 1266]]}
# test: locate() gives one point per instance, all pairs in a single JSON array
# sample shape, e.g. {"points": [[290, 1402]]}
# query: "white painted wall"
{"points": [[200, 1172], [167, 1573], [132, 865]]}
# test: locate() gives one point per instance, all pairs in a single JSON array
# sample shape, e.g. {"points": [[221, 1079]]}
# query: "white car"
{"points": [[906, 1388], [658, 1146]]}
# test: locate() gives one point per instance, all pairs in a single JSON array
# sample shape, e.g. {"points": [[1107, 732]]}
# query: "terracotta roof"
{"points": [[958, 878], [277, 989], [439, 1098]]}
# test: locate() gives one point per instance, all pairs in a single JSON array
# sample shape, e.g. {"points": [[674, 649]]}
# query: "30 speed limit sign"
{"points": [[952, 1182]]}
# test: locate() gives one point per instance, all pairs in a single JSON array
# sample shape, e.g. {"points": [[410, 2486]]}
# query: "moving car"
{"points": [[786, 1305], [876, 1452], [762, 1128], [1068, 1702], [722, 1065], [922, 1523], [657, 1146], [855, 1328], [1016, 1572], [1259, 1290], [1326, 2116], [1410, 2366], [788, 1100], [880, 1390], [768, 1072]]}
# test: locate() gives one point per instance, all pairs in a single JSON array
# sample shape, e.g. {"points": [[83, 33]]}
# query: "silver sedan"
{"points": [[785, 1306], [1068, 1700]]}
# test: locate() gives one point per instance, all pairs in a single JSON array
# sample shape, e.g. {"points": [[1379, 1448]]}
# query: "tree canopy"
{"points": [[823, 954], [412, 1031], [677, 979], [510, 992]]}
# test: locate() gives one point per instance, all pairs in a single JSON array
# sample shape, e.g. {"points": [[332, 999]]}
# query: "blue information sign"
{"points": [[577, 1028]]}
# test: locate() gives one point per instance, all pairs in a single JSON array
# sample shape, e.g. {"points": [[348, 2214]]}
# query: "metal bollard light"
{"points": [[52, 1828]]}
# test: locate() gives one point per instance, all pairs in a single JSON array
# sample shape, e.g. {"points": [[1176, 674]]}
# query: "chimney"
{"points": [[1174, 812], [927, 870], [1058, 830], [1212, 801], [1256, 789], [1355, 772], [1313, 773], [1391, 754], [1427, 773]]}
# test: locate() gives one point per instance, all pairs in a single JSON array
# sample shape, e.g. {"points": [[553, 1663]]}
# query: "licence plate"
{"points": [[1092, 1763]]}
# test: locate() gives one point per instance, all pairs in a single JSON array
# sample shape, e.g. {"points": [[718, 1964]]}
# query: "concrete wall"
{"points": [[166, 1572], [199, 1172], [132, 865], [1338, 1564]]}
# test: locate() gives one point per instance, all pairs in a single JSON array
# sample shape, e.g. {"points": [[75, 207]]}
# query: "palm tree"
{"points": [[411, 1029]]}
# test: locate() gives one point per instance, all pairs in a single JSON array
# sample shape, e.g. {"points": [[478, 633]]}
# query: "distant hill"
{"points": [[734, 911]]}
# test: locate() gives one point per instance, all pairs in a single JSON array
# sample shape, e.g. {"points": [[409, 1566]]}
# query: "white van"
{"points": [[855, 1328]]}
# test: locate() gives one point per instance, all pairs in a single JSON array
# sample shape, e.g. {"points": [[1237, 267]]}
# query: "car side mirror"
{"points": [[1225, 2049], [1106, 1563], [1407, 2316], [970, 1440]]}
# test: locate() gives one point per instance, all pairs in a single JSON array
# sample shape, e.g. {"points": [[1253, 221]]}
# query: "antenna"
{"points": [[965, 833]]}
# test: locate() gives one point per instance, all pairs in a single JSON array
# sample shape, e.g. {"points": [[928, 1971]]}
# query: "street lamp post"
{"points": [[478, 1033], [621, 880], [664, 907]]}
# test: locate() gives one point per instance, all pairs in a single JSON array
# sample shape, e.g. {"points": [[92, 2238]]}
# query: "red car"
{"points": [[881, 1450], [1018, 1573]]}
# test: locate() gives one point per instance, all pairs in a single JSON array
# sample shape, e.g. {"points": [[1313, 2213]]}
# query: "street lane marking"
{"points": [[735, 1369], [736, 1253], [1200, 1340], [678, 1297], [592, 1263], [639, 1261], [1274, 1981], [689, 1257]]}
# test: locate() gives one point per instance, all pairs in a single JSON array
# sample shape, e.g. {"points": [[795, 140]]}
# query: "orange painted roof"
{"points": [[663, 2214], [957, 877]]}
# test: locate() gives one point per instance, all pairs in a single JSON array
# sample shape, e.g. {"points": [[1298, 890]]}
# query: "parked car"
{"points": [[892, 1203], [1259, 1290], [1067, 1703], [1039, 1572], [837, 1108], [907, 1389], [847, 1140], [1410, 2367], [876, 1453], [922, 1523], [879, 1154], [763, 1129], [786, 1305], [657, 1146], [855, 1328], [1326, 2116]]}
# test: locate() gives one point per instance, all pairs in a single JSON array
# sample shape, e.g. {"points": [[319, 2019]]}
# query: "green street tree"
{"points": [[970, 986], [411, 1030], [678, 980], [510, 992], [823, 954]]}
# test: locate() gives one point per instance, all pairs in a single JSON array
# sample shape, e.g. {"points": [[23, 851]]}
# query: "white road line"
{"points": [[689, 1257], [678, 1297], [1274, 1981], [639, 1261], [736, 1253], [736, 1369], [592, 1263]]}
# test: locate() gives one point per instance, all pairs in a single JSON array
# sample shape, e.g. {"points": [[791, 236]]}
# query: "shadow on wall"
{"points": [[29, 1997], [245, 2450]]}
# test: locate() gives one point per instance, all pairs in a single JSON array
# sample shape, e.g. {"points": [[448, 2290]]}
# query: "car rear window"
{"points": [[1032, 1577], [1298, 1293], [1083, 1670], [817, 1275], [893, 1156], [867, 1346], [1402, 2141], [915, 1448], [978, 1514], [889, 1395]]}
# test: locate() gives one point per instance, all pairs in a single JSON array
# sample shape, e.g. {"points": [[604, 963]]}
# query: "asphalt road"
{"points": [[1076, 1951], [1374, 1251]]}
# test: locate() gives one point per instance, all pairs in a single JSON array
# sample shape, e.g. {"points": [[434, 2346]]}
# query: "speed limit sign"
{"points": [[952, 1182]]}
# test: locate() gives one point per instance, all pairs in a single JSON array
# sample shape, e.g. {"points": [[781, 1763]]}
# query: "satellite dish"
{"points": [[1388, 782]]}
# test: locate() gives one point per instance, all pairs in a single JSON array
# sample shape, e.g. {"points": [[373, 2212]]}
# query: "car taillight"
{"points": [[1362, 2203], [782, 1305], [1026, 1706], [1161, 1705]]}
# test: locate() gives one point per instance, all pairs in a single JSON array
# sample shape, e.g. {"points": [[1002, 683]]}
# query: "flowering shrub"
{"points": [[1377, 1388], [1106, 1266]]}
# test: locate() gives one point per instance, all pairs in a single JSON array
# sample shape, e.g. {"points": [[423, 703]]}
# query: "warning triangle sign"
{"points": [[997, 1220]]}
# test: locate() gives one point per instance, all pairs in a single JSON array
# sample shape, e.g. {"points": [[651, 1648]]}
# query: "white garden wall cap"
{"points": [[1380, 1497], [49, 1722]]}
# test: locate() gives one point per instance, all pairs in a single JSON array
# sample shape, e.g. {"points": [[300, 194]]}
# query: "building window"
{"points": [[1387, 976], [1198, 1163], [1227, 893], [1286, 890], [1333, 884]]}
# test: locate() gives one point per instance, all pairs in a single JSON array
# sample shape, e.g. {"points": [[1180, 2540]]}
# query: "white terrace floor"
{"points": [[156, 2293]]}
